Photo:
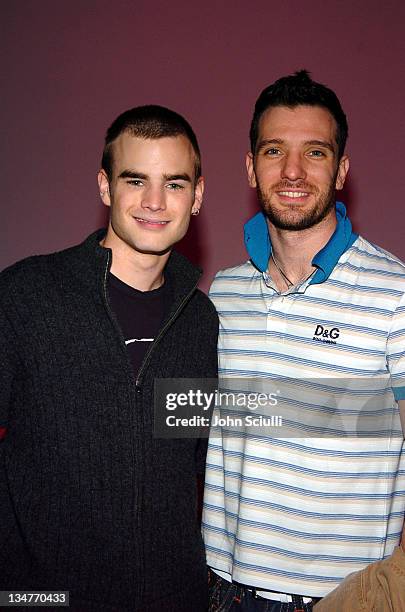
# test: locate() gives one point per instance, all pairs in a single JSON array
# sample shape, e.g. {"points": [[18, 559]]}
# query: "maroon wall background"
{"points": [[72, 66]]}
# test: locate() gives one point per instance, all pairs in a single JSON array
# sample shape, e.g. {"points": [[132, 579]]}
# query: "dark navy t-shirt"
{"points": [[139, 314]]}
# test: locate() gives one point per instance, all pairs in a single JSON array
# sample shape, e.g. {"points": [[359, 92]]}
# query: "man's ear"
{"points": [[343, 169], [251, 170], [198, 196], [104, 187]]}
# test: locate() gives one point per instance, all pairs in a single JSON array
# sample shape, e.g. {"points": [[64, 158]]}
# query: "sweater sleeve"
{"points": [[8, 368]]}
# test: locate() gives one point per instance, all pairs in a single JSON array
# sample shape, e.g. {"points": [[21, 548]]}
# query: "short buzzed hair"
{"points": [[149, 122]]}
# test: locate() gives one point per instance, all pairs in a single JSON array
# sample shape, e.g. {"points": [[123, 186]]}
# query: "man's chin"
{"points": [[295, 220], [292, 224]]}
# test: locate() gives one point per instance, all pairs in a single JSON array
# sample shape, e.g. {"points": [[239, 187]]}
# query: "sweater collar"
{"points": [[92, 257], [258, 244]]}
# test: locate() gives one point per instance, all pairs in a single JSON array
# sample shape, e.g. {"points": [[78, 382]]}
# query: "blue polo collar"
{"points": [[258, 244]]}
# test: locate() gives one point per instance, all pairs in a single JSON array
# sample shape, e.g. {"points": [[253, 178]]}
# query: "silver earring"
{"points": [[195, 212]]}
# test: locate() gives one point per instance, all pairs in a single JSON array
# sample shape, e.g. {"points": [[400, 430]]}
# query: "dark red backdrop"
{"points": [[71, 67]]}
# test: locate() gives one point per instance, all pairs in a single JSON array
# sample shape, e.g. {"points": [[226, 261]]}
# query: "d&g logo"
{"points": [[323, 334]]}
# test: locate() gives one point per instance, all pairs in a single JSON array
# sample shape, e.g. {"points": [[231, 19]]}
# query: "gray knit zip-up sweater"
{"points": [[90, 501]]}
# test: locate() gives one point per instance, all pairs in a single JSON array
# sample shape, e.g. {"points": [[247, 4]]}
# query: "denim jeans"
{"points": [[227, 597]]}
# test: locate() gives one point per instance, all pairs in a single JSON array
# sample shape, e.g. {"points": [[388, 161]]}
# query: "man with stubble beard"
{"points": [[317, 315]]}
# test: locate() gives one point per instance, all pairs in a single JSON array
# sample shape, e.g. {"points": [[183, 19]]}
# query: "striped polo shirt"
{"points": [[296, 514]]}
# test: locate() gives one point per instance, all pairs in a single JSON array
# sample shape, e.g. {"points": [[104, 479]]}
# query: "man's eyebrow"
{"points": [[321, 143], [268, 141], [177, 177], [133, 174]]}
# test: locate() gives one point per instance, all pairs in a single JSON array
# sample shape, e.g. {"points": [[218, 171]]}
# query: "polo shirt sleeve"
{"points": [[396, 351]]}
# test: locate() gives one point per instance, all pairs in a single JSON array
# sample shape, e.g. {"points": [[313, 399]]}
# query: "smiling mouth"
{"points": [[293, 194], [151, 221]]}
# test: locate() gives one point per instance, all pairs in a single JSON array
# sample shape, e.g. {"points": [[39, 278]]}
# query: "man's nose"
{"points": [[154, 198], [293, 167]]}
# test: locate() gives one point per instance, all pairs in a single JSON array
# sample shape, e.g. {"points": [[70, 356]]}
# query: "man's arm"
{"points": [[8, 368], [396, 365], [401, 405]]}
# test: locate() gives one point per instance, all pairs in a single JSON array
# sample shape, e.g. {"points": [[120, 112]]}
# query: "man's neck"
{"points": [[293, 251], [142, 271]]}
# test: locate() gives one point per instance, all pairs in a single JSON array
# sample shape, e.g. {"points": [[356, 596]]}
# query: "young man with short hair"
{"points": [[91, 502], [317, 315]]}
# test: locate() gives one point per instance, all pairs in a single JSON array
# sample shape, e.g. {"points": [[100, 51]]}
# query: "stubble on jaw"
{"points": [[290, 218]]}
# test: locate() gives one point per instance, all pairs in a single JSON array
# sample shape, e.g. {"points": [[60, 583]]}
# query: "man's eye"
{"points": [[134, 182], [175, 186], [317, 153], [273, 151]]}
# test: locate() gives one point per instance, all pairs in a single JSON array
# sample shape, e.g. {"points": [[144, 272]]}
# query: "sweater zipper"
{"points": [[160, 334]]}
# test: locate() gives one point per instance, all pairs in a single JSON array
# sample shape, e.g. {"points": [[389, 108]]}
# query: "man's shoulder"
{"points": [[38, 272], [26, 283], [243, 272], [235, 282], [21, 272], [374, 259]]}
